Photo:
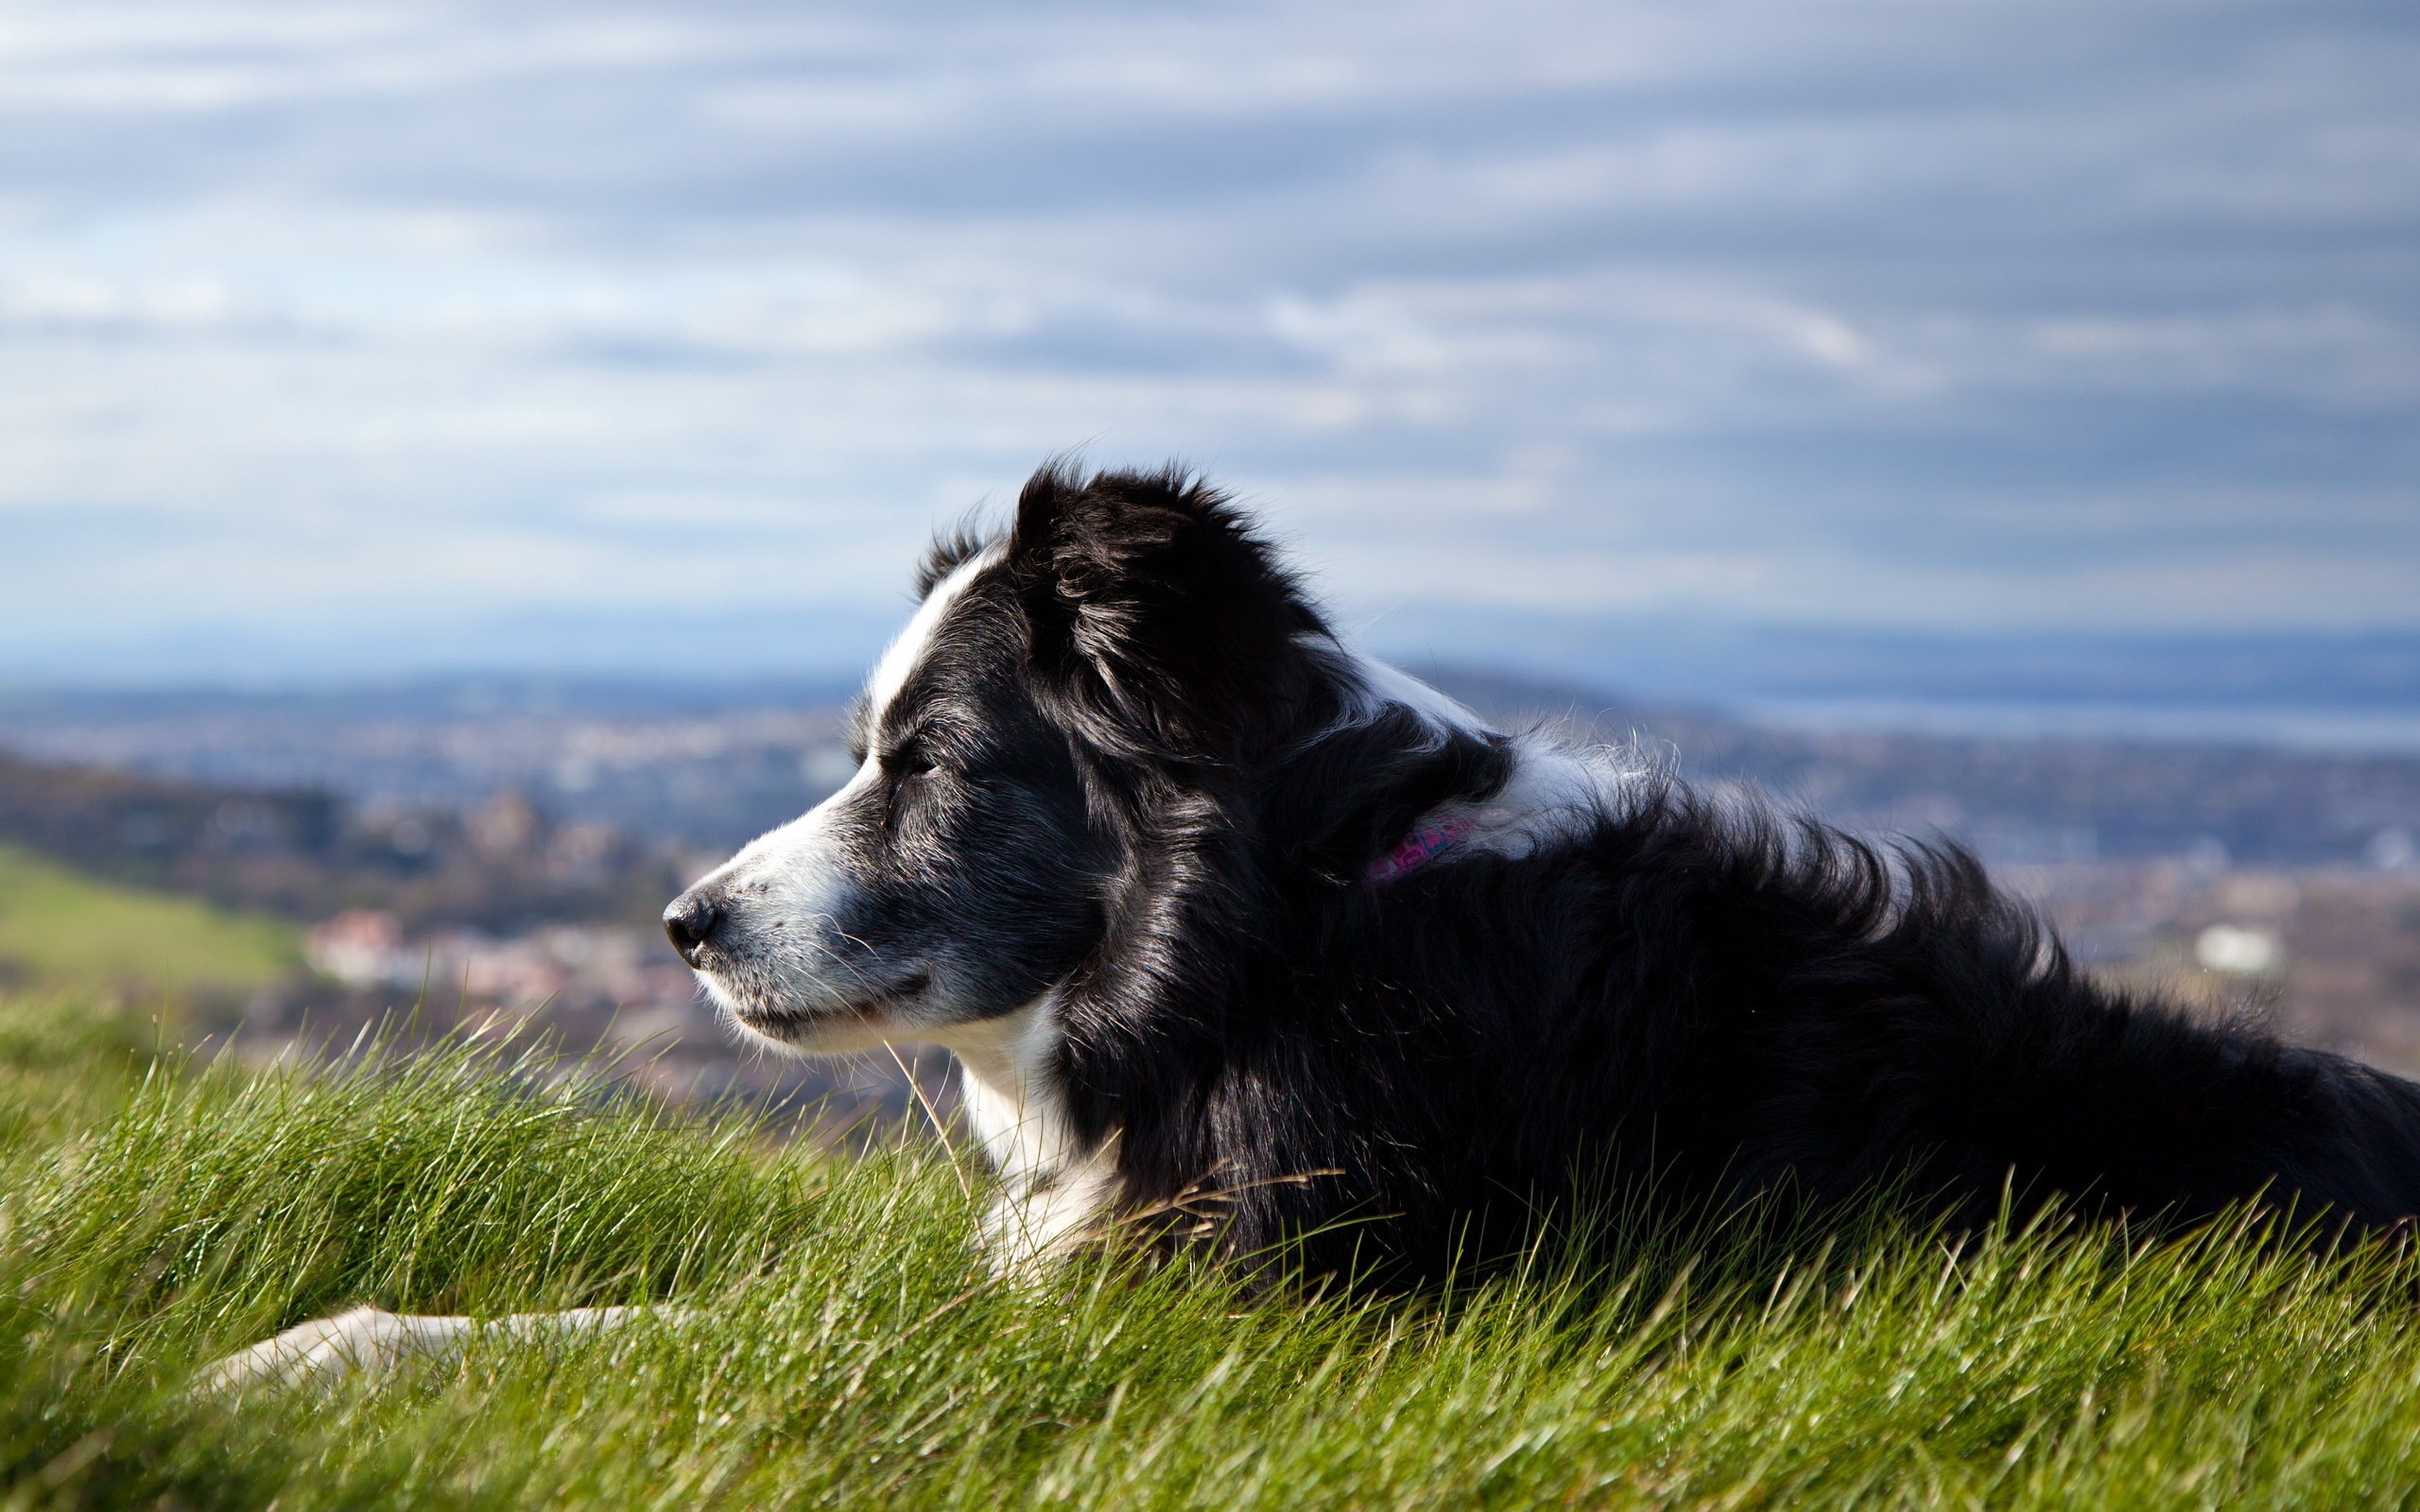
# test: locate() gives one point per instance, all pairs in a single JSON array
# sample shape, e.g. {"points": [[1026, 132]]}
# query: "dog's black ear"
{"points": [[1159, 621]]}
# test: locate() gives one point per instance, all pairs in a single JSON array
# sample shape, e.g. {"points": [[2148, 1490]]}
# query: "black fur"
{"points": [[1407, 1076]]}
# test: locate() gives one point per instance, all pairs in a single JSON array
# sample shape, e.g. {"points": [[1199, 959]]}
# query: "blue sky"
{"points": [[380, 337]]}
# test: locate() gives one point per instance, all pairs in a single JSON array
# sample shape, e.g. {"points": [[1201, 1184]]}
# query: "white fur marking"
{"points": [[790, 870], [899, 661], [1391, 684], [322, 1353], [1051, 1194], [1553, 790]]}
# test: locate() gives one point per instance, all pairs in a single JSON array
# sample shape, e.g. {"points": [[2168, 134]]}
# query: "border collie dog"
{"points": [[1245, 941]]}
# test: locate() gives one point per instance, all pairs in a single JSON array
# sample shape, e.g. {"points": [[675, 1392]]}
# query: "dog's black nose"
{"points": [[690, 922]]}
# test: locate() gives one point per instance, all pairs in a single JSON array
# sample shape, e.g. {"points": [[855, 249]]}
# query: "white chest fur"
{"points": [[1052, 1192]]}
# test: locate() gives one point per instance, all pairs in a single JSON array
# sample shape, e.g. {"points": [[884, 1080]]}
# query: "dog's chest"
{"points": [[1052, 1189]]}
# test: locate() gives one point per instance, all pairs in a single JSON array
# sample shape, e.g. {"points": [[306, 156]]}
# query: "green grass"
{"points": [[61, 929], [845, 1349]]}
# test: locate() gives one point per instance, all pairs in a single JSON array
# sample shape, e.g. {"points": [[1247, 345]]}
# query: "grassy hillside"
{"points": [[844, 1348], [64, 930]]}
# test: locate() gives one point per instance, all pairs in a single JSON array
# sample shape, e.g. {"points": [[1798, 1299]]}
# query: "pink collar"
{"points": [[1422, 844]]}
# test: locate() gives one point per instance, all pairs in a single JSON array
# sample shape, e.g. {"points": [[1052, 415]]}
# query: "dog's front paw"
{"points": [[325, 1350]]}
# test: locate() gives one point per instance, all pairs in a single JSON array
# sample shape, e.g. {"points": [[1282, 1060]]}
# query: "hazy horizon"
{"points": [[2313, 692]]}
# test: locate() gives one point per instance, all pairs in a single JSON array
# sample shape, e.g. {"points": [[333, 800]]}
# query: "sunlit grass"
{"points": [[842, 1344]]}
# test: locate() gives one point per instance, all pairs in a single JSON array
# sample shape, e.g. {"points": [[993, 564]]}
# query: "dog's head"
{"points": [[1127, 645]]}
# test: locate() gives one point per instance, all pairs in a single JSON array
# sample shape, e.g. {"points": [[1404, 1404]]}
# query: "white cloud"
{"points": [[2089, 313]]}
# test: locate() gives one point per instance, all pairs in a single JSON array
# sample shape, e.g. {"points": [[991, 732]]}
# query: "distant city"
{"points": [[501, 846]]}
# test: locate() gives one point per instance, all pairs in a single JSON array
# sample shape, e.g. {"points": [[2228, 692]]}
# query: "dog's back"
{"points": [[1705, 1003]]}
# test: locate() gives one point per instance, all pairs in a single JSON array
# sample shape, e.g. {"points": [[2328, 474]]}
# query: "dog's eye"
{"points": [[907, 762]]}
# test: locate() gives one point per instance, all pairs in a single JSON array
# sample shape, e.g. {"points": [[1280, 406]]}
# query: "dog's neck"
{"points": [[1051, 1189], [1010, 1103]]}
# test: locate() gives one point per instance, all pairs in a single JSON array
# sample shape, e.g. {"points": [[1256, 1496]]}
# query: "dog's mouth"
{"points": [[872, 1009]]}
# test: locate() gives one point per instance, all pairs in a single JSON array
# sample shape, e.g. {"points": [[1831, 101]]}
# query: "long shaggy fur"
{"points": [[1115, 837]]}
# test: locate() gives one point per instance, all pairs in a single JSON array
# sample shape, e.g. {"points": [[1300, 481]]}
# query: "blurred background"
{"points": [[455, 457]]}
